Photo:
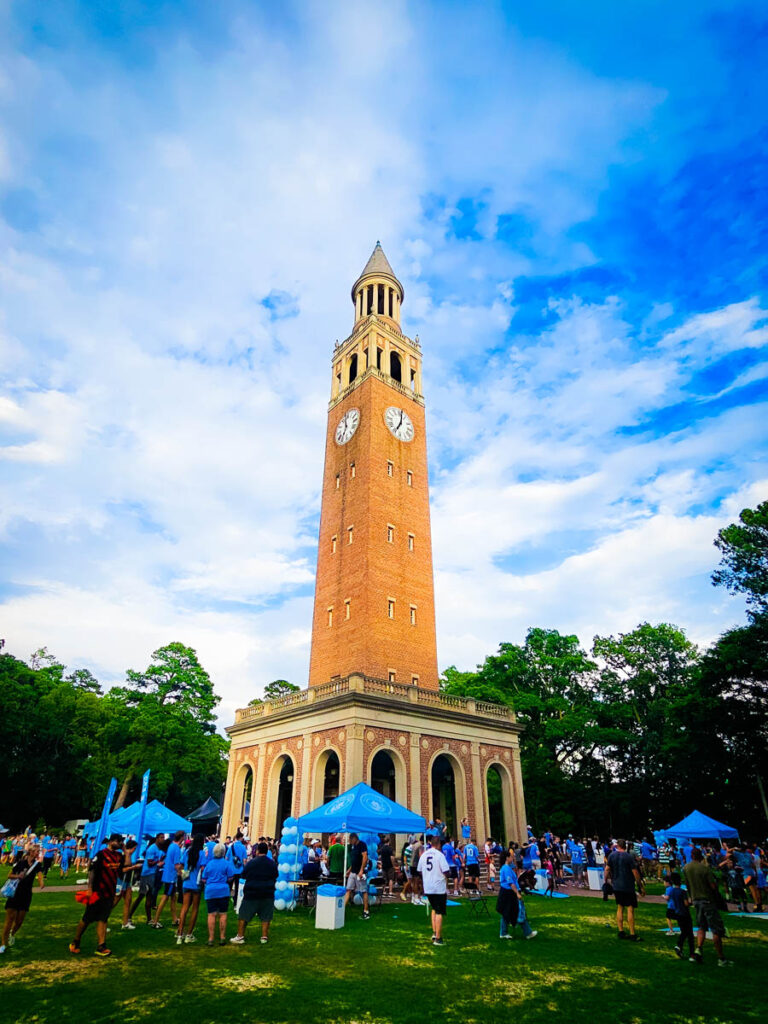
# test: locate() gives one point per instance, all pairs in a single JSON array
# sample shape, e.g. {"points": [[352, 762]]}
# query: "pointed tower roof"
{"points": [[378, 266]]}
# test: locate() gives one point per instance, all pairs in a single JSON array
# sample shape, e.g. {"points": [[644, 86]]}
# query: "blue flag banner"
{"points": [[104, 817], [142, 816]]}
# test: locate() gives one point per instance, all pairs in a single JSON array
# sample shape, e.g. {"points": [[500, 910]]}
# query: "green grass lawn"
{"points": [[382, 970]]}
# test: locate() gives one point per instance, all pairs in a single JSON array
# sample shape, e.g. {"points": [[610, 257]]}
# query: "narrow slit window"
{"points": [[414, 680], [338, 481], [333, 545], [391, 608], [390, 534], [350, 534], [330, 616], [409, 478], [379, 354], [392, 675], [352, 470], [347, 608], [390, 468], [413, 614], [411, 541]]}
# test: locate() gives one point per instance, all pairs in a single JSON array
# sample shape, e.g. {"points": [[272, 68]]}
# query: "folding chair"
{"points": [[479, 905]]}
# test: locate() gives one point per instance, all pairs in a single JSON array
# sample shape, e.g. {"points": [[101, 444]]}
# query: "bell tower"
{"points": [[374, 594], [373, 710]]}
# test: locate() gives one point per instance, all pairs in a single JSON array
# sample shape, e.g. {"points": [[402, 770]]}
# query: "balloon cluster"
{"points": [[288, 866]]}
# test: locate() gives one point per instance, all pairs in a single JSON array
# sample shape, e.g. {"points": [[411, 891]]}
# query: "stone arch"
{"points": [[401, 772], [280, 799], [318, 775], [242, 809], [507, 801], [460, 802]]}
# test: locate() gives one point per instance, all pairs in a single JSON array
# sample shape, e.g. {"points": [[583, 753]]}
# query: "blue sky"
{"points": [[575, 199]]}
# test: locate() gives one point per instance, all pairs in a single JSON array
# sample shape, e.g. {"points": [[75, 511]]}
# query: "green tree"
{"points": [[744, 565], [647, 690], [163, 720], [279, 688]]}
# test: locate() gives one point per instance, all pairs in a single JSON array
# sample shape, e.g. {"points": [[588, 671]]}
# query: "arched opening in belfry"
{"points": [[391, 301], [497, 826], [395, 367], [380, 305], [246, 795], [284, 793], [331, 777], [383, 775], [352, 367], [369, 299], [444, 793]]}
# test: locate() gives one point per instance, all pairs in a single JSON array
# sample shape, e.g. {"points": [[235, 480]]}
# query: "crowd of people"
{"points": [[173, 874]]}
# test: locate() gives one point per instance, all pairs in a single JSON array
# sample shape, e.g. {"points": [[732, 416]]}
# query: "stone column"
{"points": [[478, 793], [415, 773], [306, 754], [257, 795]]}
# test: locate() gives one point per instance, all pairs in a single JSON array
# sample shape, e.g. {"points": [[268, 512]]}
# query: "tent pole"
{"points": [[344, 875]]}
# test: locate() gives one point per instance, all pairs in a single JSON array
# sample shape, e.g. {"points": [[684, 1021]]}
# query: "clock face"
{"points": [[399, 423], [347, 425]]}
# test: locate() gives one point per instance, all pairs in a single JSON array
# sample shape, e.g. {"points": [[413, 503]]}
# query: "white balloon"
{"points": [[293, 831], [285, 832], [292, 848], [279, 904], [283, 869]]}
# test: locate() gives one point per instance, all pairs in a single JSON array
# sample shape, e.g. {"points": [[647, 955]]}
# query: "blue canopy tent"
{"points": [[700, 826], [159, 818], [361, 809]]}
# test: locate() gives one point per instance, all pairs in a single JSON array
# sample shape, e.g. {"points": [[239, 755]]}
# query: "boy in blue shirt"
{"points": [[677, 910], [153, 855], [170, 880], [509, 905], [471, 865], [236, 855]]}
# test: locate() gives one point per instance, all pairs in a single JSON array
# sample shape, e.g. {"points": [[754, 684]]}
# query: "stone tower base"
{"points": [[281, 759]]}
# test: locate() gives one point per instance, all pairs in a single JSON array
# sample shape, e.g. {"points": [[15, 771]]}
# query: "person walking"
{"points": [[357, 881], [258, 881], [27, 868], [435, 873], [191, 866], [703, 891], [216, 875], [171, 880], [509, 902], [102, 884], [125, 883], [622, 873], [471, 856], [677, 910], [147, 884]]}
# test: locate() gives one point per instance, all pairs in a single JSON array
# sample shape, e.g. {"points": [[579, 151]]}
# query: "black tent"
{"points": [[206, 817]]}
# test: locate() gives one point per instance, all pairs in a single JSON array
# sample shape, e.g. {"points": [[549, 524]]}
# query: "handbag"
{"points": [[10, 887]]}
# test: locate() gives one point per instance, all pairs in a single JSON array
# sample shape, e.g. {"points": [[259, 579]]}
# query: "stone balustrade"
{"points": [[395, 692]]}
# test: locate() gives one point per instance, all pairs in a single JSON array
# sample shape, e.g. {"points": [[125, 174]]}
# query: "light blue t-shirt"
{"points": [[471, 854], [216, 875], [172, 858], [236, 855], [449, 854], [152, 855], [191, 884], [577, 854], [508, 877], [647, 852], [466, 831]]}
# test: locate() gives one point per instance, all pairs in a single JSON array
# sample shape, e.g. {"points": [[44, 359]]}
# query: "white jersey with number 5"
{"points": [[432, 864]]}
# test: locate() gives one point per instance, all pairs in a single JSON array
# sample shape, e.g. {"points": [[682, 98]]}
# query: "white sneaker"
{"points": [[189, 938], [129, 926], [11, 940], [2, 950], [238, 940], [507, 936], [532, 935], [179, 940]]}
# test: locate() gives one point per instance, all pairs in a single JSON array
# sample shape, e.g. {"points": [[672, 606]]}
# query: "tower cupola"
{"points": [[377, 290]]}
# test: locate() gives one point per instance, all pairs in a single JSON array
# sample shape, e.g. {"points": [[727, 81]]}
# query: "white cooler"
{"points": [[596, 877], [329, 910]]}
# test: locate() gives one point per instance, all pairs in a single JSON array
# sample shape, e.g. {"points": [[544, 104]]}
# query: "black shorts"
{"points": [[98, 911], [438, 900], [172, 888], [473, 870], [454, 872], [218, 905], [625, 899]]}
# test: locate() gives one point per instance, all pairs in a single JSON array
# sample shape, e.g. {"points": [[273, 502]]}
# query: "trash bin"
{"points": [[329, 912], [596, 877]]}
